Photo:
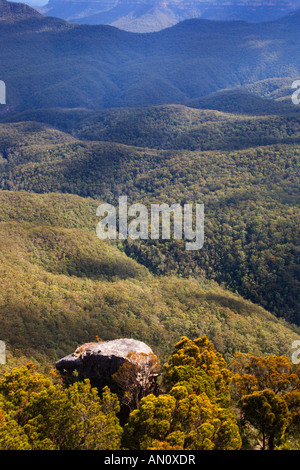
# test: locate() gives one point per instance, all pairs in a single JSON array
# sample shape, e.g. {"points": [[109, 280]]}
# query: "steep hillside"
{"points": [[61, 286], [243, 168]]}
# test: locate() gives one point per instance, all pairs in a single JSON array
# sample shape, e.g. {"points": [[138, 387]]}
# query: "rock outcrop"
{"points": [[127, 366]]}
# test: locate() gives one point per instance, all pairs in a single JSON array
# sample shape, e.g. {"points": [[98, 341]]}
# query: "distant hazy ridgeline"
{"points": [[47, 62]]}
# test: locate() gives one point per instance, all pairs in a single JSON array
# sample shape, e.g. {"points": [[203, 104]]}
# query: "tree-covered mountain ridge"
{"points": [[243, 168], [61, 286], [48, 62], [154, 15]]}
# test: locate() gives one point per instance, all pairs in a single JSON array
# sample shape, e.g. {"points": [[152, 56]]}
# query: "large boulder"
{"points": [[127, 366]]}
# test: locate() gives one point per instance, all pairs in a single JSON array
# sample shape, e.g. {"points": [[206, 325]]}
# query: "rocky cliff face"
{"points": [[127, 366]]}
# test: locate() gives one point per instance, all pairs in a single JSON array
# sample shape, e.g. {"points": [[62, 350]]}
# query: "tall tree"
{"points": [[269, 414], [199, 362], [195, 413]]}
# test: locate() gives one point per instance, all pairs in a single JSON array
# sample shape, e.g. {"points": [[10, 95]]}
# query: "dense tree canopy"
{"points": [[37, 414], [244, 170], [194, 408], [194, 414]]}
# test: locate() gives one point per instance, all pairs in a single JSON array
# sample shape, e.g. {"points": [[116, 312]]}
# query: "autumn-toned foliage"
{"points": [[195, 413], [268, 413], [199, 357], [136, 377], [39, 415], [201, 404], [268, 391], [252, 373]]}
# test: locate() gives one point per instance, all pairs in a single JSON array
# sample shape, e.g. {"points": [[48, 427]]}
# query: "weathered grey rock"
{"points": [[99, 361]]}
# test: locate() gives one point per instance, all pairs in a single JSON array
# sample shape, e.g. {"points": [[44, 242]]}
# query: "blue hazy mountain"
{"points": [[154, 15], [48, 62]]}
